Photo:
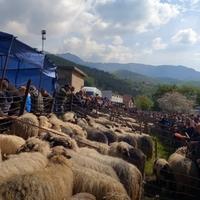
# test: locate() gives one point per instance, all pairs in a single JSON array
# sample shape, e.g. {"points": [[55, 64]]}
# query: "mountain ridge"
{"points": [[179, 72]]}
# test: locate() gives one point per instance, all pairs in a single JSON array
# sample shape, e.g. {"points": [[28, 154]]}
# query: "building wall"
{"points": [[127, 100], [77, 81], [64, 76], [71, 77]]}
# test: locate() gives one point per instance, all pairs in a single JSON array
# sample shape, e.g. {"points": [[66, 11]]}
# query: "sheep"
{"points": [[83, 196], [128, 138], [57, 140], [10, 143], [185, 172], [22, 164], [96, 135], [128, 153], [100, 147], [100, 185], [128, 174], [77, 130], [35, 145], [82, 123], [118, 149], [71, 129], [103, 121], [56, 127], [25, 126], [53, 182], [163, 172], [182, 151], [92, 164], [69, 117], [44, 122], [111, 136], [145, 143]]}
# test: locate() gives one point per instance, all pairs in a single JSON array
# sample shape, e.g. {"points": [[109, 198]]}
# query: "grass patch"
{"points": [[163, 151]]}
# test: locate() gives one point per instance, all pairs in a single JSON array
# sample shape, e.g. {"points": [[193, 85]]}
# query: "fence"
{"points": [[152, 189]]}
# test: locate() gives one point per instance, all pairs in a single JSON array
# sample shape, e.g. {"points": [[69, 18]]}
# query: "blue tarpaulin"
{"points": [[24, 63]]}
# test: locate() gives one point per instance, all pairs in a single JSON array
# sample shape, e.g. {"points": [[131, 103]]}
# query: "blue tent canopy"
{"points": [[24, 63]]}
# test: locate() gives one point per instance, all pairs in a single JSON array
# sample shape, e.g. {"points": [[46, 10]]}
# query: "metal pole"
{"points": [[43, 32], [6, 61], [16, 75]]}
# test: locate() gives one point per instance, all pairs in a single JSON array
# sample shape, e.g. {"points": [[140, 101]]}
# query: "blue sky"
{"points": [[144, 31]]}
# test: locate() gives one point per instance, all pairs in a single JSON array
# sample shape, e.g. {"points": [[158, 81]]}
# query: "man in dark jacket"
{"points": [[61, 99]]}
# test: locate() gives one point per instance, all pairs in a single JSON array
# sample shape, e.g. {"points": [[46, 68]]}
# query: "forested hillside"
{"points": [[101, 79]]}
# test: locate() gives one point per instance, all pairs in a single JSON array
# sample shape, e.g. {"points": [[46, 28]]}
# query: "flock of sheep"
{"points": [[70, 158]]}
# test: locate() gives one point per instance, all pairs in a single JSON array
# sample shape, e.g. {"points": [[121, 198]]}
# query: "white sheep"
{"points": [[54, 182], [25, 126], [128, 174], [9, 144]]}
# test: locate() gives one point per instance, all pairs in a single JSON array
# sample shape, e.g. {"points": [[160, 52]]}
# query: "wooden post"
{"points": [[6, 62], [71, 101], [140, 127], [156, 148], [23, 106]]}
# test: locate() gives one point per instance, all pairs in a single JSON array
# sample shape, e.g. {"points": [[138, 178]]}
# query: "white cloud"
{"points": [[137, 15], [99, 51], [158, 44], [117, 40], [17, 28], [186, 36]]}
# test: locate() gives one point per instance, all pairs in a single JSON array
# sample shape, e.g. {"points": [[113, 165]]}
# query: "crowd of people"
{"points": [[42, 102]]}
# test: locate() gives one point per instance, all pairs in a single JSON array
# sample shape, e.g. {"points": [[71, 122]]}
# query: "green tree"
{"points": [[143, 102]]}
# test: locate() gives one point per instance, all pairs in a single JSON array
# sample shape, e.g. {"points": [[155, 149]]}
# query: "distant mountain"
{"points": [[135, 77], [167, 72], [72, 58]]}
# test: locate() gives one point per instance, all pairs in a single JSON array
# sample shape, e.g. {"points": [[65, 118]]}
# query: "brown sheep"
{"points": [[128, 174], [9, 144], [83, 196], [52, 183], [25, 126], [101, 186]]}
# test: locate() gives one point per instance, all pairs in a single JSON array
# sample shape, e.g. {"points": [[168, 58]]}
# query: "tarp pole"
{"points": [[6, 61], [16, 75]]}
